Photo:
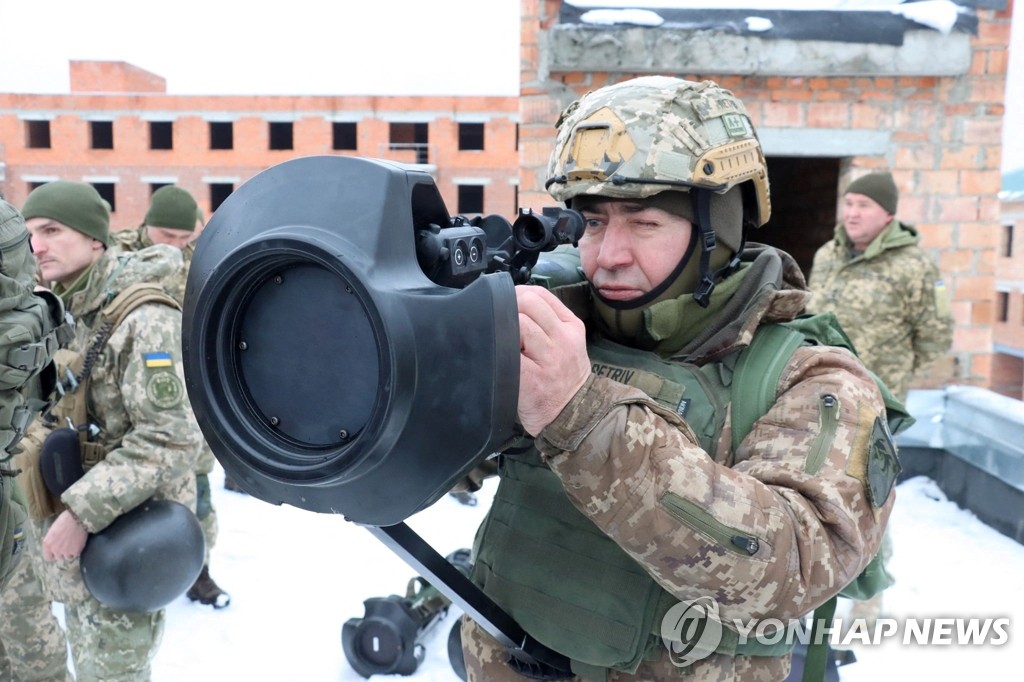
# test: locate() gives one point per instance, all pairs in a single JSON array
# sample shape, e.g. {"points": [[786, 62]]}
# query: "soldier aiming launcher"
{"points": [[350, 348]]}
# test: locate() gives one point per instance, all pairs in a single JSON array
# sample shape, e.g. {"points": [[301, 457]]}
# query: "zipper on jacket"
{"points": [[700, 520], [828, 420]]}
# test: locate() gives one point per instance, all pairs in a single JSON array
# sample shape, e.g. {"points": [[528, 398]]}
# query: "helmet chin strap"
{"points": [[702, 211]]}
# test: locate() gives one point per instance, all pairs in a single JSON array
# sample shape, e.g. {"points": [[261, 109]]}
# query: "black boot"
{"points": [[205, 591]]}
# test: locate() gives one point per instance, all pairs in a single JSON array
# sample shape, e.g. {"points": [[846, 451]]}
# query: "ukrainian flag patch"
{"points": [[157, 359]]}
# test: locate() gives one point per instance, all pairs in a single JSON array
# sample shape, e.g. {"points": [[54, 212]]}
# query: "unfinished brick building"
{"points": [[119, 130], [833, 94]]}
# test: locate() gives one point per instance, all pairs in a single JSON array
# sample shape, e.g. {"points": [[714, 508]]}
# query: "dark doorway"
{"points": [[804, 195]]}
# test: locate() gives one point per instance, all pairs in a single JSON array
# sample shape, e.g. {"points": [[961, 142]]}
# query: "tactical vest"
{"points": [[571, 586], [32, 327], [74, 370]]}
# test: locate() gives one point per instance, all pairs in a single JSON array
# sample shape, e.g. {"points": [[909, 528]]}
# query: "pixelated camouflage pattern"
{"points": [[151, 446], [32, 644], [619, 453], [136, 239], [486, 662], [112, 645], [890, 300], [656, 128]]}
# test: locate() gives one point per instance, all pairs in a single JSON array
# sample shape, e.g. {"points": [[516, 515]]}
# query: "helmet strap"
{"points": [[702, 210], [708, 242]]}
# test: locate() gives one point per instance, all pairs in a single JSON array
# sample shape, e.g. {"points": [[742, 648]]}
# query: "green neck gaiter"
{"points": [[78, 285], [674, 324]]}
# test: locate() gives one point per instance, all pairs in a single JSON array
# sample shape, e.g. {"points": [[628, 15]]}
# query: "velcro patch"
{"points": [[883, 463], [161, 359], [164, 389]]}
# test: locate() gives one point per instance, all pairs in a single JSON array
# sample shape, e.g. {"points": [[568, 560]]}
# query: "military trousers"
{"points": [[106, 644], [33, 647]]}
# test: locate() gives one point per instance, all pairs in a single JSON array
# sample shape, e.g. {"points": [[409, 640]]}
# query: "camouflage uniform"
{"points": [[647, 499], [135, 240], [890, 300], [32, 644], [151, 442], [618, 453]]}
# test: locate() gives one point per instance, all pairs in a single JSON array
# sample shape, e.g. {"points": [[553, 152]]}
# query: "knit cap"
{"points": [[77, 205], [173, 208], [878, 186]]}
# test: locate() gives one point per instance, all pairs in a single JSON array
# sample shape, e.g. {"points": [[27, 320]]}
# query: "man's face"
{"points": [[62, 253], [167, 235], [863, 219], [629, 248]]}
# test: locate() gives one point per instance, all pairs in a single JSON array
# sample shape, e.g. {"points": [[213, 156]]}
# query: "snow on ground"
{"points": [[295, 577]]}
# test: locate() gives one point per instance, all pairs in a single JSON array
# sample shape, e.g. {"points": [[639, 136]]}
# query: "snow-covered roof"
{"points": [[854, 21]]}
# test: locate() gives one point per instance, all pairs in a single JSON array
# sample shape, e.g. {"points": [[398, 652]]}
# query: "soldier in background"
{"points": [[887, 294], [628, 499], [137, 435], [174, 218]]}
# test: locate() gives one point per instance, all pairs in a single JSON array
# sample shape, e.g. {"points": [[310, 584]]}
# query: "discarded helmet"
{"points": [[146, 558]]}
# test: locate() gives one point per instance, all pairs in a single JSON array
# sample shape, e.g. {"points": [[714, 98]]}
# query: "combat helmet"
{"points": [[657, 136]]}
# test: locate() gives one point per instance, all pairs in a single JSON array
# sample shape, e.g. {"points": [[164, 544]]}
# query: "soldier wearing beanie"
{"points": [[886, 291], [80, 215], [138, 441], [175, 219]]}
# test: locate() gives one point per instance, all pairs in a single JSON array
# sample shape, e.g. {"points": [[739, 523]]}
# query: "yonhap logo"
{"points": [[691, 631]]}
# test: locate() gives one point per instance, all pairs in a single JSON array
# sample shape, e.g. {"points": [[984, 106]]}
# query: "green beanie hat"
{"points": [[77, 205], [878, 186], [173, 208]]}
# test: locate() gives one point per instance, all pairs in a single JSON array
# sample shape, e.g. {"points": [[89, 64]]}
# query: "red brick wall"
{"points": [[105, 90], [946, 134]]}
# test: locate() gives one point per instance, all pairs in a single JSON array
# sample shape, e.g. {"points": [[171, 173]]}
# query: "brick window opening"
{"points": [[343, 136], [32, 186], [219, 191], [222, 135], [106, 191], [1002, 306], [1006, 243], [154, 186], [471, 136], [411, 136], [282, 135], [37, 134], [161, 135], [101, 134], [517, 137], [471, 199]]}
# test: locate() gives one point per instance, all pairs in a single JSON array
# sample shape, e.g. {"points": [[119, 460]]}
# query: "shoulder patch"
{"points": [[164, 389], [154, 360], [883, 463]]}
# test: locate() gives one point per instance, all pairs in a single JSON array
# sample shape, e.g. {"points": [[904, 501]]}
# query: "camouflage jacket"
{"points": [[136, 396], [890, 300], [136, 239], [620, 454]]}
